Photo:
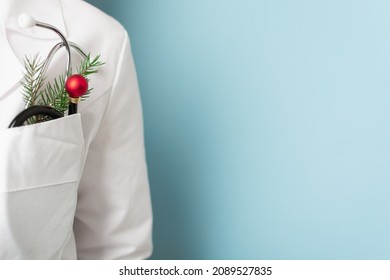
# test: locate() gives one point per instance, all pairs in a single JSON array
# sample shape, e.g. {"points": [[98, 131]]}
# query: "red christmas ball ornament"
{"points": [[76, 85]]}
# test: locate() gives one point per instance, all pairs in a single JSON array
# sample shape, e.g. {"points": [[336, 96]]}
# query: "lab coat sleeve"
{"points": [[114, 218]]}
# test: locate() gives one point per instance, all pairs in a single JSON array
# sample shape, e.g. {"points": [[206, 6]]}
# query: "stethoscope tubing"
{"points": [[64, 42], [35, 111]]}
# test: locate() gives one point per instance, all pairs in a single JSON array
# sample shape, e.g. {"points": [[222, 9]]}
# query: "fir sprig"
{"points": [[32, 81], [87, 68], [53, 95]]}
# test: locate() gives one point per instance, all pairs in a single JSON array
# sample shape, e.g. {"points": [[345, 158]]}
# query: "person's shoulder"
{"points": [[82, 16], [97, 34]]}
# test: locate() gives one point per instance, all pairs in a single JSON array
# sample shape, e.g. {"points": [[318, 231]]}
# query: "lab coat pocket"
{"points": [[40, 168]]}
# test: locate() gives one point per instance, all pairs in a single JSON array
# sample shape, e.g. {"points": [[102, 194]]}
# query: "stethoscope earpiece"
{"points": [[26, 21]]}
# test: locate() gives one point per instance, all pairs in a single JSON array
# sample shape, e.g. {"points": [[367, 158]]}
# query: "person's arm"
{"points": [[114, 217]]}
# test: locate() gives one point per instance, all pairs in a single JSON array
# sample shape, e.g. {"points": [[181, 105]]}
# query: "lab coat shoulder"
{"points": [[114, 217], [96, 25]]}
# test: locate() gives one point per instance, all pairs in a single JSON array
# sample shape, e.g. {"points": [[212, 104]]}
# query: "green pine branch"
{"points": [[53, 95], [89, 67], [33, 80]]}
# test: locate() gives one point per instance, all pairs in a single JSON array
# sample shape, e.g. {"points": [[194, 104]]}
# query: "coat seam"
{"points": [[40, 186]]}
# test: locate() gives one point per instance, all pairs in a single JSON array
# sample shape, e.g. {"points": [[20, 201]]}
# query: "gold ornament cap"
{"points": [[74, 100]]}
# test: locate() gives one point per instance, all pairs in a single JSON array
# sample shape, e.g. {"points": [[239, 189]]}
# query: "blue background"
{"points": [[267, 126]]}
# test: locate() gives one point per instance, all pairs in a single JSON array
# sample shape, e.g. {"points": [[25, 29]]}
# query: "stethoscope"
{"points": [[27, 21]]}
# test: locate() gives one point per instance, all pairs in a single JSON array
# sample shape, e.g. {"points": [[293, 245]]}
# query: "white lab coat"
{"points": [[75, 187]]}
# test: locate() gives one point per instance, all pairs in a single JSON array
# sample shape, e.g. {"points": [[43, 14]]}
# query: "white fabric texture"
{"points": [[75, 187]]}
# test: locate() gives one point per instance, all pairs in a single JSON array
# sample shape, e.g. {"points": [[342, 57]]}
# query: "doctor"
{"points": [[75, 187]]}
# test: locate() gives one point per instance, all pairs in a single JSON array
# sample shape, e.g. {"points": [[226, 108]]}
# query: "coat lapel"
{"points": [[48, 11], [10, 70]]}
